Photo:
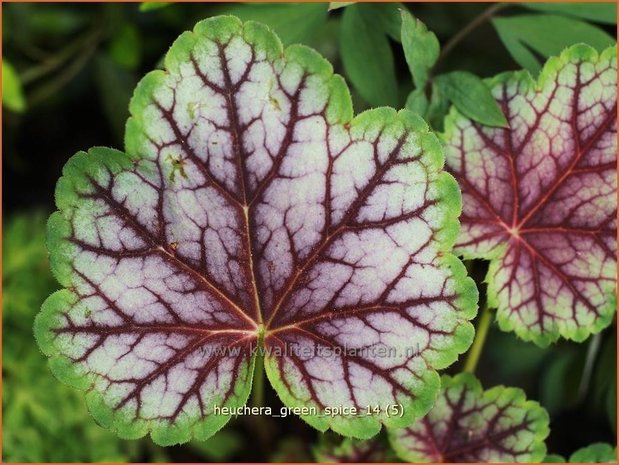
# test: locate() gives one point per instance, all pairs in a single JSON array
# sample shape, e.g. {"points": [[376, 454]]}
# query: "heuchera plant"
{"points": [[540, 196], [250, 210]]}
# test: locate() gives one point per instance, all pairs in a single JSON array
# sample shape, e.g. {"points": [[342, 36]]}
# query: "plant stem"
{"points": [[483, 325], [470, 27], [260, 424], [257, 390], [59, 58]]}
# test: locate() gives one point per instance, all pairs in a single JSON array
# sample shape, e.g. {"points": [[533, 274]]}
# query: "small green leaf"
{"points": [[421, 48], [437, 108], [338, 5], [417, 102], [367, 57], [472, 97], [150, 6], [546, 35], [595, 453], [12, 91], [126, 46], [597, 12]]}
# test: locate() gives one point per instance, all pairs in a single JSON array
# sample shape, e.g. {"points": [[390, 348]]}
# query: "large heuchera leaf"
{"points": [[468, 424], [250, 211], [539, 197]]}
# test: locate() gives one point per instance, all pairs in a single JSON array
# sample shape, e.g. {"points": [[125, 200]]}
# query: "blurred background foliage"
{"points": [[68, 73]]}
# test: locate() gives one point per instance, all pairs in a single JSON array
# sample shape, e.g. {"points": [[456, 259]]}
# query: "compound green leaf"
{"points": [[539, 196], [251, 215], [468, 424]]}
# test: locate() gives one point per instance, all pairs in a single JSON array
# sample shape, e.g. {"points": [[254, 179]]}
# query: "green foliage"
{"points": [[603, 384], [560, 379], [367, 55], [80, 63], [12, 92], [150, 6], [472, 97], [467, 92], [591, 11], [44, 421], [293, 22], [554, 458], [125, 47], [338, 5], [547, 35], [595, 453], [421, 49]]}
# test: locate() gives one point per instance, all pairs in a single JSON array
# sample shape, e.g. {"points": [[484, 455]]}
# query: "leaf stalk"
{"points": [[481, 334]]}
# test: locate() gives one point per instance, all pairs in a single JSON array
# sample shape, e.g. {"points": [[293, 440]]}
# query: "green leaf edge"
{"points": [[58, 226], [541, 419], [578, 52], [339, 111], [599, 452], [368, 426]]}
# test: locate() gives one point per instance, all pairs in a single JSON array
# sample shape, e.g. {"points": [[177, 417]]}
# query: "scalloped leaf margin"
{"points": [[539, 198], [251, 212], [468, 424]]}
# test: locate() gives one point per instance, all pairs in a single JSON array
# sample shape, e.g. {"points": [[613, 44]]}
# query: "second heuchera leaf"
{"points": [[468, 424], [540, 196], [250, 209]]}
